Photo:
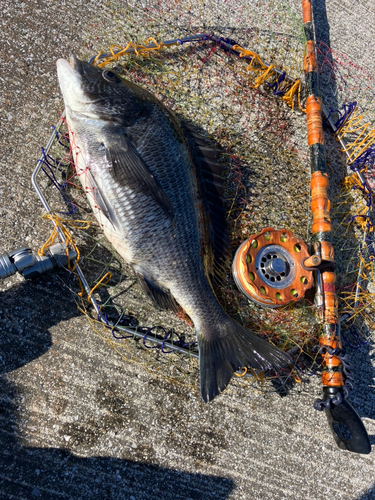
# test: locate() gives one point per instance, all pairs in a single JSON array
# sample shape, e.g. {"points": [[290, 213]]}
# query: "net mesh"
{"points": [[263, 144]]}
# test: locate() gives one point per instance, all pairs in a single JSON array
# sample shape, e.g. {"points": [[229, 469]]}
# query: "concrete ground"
{"points": [[79, 422]]}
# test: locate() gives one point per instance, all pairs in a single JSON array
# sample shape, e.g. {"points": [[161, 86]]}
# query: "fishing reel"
{"points": [[274, 268]]}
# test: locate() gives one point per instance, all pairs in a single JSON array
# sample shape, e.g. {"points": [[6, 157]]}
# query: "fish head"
{"points": [[96, 94]]}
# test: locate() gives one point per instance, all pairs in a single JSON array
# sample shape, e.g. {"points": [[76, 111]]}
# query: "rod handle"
{"points": [[346, 425]]}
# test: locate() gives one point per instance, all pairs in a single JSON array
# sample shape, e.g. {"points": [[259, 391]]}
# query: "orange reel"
{"points": [[269, 268]]}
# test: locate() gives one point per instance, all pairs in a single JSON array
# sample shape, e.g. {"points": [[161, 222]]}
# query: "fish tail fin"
{"points": [[228, 347]]}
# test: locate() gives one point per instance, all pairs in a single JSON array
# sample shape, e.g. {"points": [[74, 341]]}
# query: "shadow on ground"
{"points": [[370, 495], [47, 473], [28, 311]]}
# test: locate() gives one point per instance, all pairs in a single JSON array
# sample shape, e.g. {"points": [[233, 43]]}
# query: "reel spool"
{"points": [[269, 268]]}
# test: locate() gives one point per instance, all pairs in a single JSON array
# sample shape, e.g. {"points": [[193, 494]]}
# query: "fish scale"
{"points": [[186, 238], [144, 176]]}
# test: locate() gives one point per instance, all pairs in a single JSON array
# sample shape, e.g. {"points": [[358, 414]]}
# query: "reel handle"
{"points": [[346, 425]]}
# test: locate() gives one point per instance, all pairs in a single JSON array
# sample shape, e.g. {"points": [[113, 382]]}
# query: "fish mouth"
{"points": [[80, 73], [80, 83], [87, 72], [78, 68], [72, 83], [76, 64], [67, 69]]}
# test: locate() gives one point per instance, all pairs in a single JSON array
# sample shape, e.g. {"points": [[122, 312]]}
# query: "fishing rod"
{"points": [[273, 268], [336, 376]]}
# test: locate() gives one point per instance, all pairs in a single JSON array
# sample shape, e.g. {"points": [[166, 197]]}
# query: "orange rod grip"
{"points": [[330, 297], [335, 379], [320, 204], [326, 249], [309, 62], [329, 378], [332, 342], [314, 121], [306, 11], [331, 361]]}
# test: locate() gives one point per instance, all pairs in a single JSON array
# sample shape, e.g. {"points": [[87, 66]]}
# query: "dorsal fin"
{"points": [[210, 174]]}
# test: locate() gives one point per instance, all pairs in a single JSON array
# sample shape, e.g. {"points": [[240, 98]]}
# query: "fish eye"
{"points": [[110, 76]]}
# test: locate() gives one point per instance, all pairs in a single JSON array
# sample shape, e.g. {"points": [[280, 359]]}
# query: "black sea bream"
{"points": [[138, 170]]}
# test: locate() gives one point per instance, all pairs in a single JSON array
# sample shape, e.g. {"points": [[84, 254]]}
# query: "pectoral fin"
{"points": [[130, 170], [101, 202]]}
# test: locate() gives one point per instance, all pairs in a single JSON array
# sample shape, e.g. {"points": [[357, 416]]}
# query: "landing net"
{"points": [[251, 112]]}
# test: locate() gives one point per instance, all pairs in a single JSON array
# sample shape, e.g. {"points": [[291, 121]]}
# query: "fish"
{"points": [[138, 164]]}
